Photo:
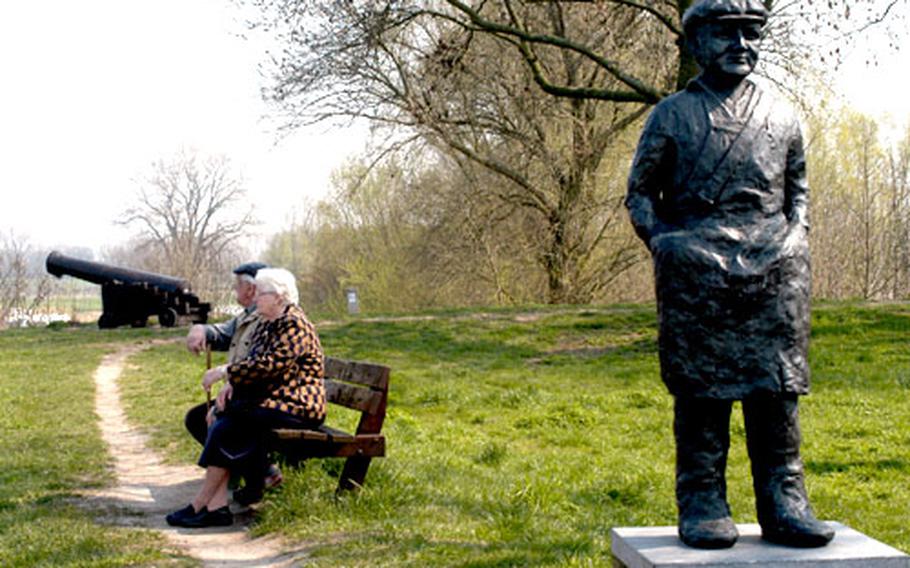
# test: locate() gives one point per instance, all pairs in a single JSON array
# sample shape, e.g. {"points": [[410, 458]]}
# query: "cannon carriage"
{"points": [[130, 297]]}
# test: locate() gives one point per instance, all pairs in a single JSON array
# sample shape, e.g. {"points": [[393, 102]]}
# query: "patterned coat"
{"points": [[718, 193], [284, 369]]}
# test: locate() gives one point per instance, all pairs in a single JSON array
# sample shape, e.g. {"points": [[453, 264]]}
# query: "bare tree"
{"points": [[433, 80], [860, 208], [190, 212], [22, 287], [871, 220], [333, 49], [899, 233]]}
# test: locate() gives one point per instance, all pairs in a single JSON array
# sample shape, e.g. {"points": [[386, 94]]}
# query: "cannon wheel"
{"points": [[167, 317]]}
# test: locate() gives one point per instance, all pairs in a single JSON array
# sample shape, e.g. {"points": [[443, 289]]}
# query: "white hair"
{"points": [[279, 281]]}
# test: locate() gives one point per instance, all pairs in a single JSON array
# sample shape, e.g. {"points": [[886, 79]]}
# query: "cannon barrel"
{"points": [[129, 297], [100, 273]]}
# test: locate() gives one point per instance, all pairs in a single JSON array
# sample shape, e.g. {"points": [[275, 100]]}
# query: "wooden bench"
{"points": [[359, 386]]}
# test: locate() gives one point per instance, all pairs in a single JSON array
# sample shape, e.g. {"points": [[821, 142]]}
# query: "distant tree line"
{"points": [[418, 230], [860, 211], [190, 215], [421, 229]]}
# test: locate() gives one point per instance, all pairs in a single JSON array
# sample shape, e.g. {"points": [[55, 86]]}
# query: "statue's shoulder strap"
{"points": [[741, 146]]}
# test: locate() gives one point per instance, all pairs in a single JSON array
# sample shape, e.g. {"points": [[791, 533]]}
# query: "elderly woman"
{"points": [[278, 385]]}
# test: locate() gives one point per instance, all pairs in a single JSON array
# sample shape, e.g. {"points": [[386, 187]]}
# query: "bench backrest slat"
{"points": [[360, 386], [366, 374], [351, 396]]}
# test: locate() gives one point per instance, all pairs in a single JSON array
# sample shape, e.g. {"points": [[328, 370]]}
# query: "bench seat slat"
{"points": [[336, 434], [314, 443], [323, 433]]}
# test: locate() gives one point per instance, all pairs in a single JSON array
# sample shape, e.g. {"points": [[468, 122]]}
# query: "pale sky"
{"points": [[881, 90], [94, 91]]}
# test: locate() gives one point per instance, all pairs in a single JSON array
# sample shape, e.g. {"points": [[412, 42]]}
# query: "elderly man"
{"points": [[233, 336], [718, 194]]}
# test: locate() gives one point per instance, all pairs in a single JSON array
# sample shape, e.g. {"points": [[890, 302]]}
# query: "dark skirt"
{"points": [[195, 422], [237, 441]]}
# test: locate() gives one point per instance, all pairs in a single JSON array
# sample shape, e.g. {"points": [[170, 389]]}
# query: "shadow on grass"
{"points": [[827, 322], [428, 341], [467, 336], [50, 530], [644, 346], [822, 467], [372, 549]]}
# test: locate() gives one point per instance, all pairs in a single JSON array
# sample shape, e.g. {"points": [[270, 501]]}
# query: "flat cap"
{"points": [[702, 11], [250, 268]]}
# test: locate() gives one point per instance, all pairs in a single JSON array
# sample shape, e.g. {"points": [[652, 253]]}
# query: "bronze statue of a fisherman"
{"points": [[718, 193]]}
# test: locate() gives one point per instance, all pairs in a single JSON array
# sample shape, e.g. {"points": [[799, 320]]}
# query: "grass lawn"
{"points": [[50, 447], [521, 440]]}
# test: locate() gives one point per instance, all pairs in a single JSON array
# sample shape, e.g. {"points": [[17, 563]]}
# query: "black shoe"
{"points": [[177, 517], [784, 512], [248, 496], [218, 518], [804, 532], [712, 533], [705, 520]]}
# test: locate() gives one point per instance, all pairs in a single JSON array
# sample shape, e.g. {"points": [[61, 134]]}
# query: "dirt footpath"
{"points": [[148, 489]]}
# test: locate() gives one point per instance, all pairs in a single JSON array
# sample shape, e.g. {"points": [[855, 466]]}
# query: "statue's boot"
{"points": [[773, 438], [702, 429]]}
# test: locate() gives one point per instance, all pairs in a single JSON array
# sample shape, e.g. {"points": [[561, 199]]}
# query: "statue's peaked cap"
{"points": [[725, 10]]}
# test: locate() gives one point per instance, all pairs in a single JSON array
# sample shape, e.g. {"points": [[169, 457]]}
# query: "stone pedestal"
{"points": [[659, 547]]}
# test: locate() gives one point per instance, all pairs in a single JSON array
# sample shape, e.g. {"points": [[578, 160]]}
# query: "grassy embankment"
{"points": [[516, 440], [51, 447]]}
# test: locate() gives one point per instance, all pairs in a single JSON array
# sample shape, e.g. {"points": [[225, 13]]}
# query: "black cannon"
{"points": [[129, 296]]}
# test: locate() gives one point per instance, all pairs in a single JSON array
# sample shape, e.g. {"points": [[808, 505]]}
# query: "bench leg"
{"points": [[353, 474]]}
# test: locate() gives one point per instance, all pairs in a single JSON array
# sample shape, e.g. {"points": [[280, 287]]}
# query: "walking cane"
{"points": [[208, 366]]}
